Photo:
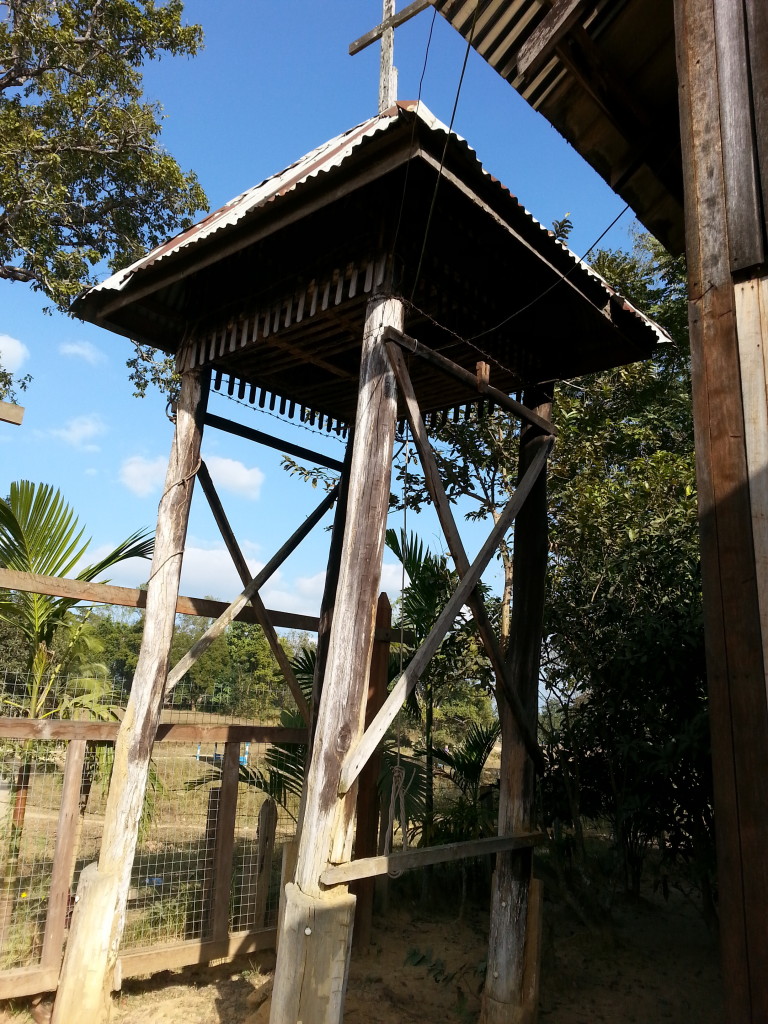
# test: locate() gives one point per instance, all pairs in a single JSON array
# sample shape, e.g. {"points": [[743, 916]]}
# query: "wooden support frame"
{"points": [[127, 597], [456, 547], [246, 579], [475, 382], [217, 628], [286, 447], [10, 413], [370, 740], [223, 857], [167, 732], [419, 857]]}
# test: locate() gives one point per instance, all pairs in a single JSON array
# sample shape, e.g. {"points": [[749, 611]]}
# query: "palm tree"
{"points": [[39, 533]]}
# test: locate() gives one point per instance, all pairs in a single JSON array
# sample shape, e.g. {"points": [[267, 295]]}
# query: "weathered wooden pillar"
{"points": [[313, 953], [722, 58], [509, 996], [84, 993]]}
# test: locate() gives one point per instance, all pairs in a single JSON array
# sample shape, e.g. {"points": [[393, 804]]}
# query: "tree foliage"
{"points": [[625, 665], [83, 179]]}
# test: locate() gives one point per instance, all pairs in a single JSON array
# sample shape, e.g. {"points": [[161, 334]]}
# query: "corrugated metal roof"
{"points": [[322, 160]]}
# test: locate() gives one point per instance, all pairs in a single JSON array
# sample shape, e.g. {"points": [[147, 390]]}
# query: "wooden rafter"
{"points": [[370, 740]]}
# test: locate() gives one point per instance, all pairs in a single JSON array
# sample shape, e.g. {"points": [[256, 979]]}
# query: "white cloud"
{"points": [[143, 476], [82, 350], [231, 475], [392, 579], [208, 571], [13, 353], [80, 432], [130, 573]]}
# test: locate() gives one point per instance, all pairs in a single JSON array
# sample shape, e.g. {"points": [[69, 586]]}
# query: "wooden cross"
{"points": [[386, 33]]}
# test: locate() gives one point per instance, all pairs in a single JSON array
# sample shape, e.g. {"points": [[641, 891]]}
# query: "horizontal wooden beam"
{"points": [[167, 732], [194, 951], [419, 857], [105, 593], [397, 19], [10, 413], [27, 981], [477, 384], [211, 420]]}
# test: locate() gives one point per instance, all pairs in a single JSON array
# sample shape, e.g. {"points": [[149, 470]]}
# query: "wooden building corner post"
{"points": [[84, 993], [316, 933], [722, 64], [508, 996]]}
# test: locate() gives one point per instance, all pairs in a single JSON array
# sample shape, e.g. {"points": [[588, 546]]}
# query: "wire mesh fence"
{"points": [[209, 845]]}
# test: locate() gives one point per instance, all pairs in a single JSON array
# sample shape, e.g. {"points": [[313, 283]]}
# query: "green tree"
{"points": [[625, 647], [83, 179]]}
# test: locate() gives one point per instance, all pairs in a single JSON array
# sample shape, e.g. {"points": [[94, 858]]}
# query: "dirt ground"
{"points": [[654, 962]]}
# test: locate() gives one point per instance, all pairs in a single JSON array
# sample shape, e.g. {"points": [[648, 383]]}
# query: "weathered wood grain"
{"points": [[363, 750], [418, 857], [104, 593], [92, 949], [167, 732]]}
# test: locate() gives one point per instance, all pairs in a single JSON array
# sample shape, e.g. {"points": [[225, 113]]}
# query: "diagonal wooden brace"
{"points": [[262, 615], [374, 734], [217, 628], [456, 547]]}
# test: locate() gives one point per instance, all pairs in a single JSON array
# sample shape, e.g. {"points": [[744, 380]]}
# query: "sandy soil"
{"points": [[654, 962]]}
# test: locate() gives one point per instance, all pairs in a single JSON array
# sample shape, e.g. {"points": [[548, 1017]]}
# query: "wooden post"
{"points": [[722, 58], [367, 831], [86, 977], [67, 835], [264, 853], [306, 966], [507, 997], [225, 840]]}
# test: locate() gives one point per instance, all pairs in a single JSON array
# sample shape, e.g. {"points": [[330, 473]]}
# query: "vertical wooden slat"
{"points": [[367, 830], [757, 35], [64, 854], [225, 841]]}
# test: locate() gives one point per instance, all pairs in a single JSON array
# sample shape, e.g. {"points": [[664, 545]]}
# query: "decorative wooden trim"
{"points": [[419, 857], [105, 593]]}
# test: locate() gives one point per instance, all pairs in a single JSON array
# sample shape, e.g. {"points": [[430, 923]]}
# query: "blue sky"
{"points": [[274, 81]]}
